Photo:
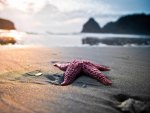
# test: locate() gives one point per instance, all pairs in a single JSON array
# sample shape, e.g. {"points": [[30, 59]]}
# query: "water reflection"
{"points": [[116, 41]]}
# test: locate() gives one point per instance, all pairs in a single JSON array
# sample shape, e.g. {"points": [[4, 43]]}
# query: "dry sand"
{"points": [[130, 70], [18, 60]]}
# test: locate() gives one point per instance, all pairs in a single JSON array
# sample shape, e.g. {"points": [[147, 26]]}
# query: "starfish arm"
{"points": [[102, 67], [95, 73], [62, 67], [72, 72], [98, 66]]}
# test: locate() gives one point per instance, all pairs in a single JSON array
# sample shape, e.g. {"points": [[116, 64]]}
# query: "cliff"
{"points": [[129, 24], [6, 24]]}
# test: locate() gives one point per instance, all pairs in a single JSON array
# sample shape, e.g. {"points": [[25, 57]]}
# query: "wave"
{"points": [[76, 39]]}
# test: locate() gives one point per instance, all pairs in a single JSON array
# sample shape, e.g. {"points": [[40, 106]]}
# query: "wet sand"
{"points": [[130, 70]]}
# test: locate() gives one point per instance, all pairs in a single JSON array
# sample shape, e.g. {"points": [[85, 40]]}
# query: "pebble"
{"points": [[38, 74]]}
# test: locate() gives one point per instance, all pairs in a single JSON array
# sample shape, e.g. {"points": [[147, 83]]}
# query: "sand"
{"points": [[18, 60], [129, 73]]}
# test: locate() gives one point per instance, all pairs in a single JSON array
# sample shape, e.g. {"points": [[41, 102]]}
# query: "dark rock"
{"points": [[6, 24], [119, 41], [91, 26], [130, 24], [7, 40], [91, 41]]}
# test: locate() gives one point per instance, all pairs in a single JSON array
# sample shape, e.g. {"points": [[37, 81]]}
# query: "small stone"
{"points": [[84, 85], [134, 106], [38, 74]]}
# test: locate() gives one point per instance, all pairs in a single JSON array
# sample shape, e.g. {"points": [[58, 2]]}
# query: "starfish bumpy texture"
{"points": [[74, 68]]}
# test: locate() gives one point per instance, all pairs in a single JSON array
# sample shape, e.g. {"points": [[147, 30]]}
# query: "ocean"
{"points": [[76, 39]]}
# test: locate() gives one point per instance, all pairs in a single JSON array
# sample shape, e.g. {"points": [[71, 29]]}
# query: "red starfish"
{"points": [[74, 68]]}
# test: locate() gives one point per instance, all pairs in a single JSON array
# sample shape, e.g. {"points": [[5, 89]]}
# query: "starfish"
{"points": [[74, 68]]}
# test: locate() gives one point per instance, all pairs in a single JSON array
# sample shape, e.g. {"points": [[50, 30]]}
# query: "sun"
{"points": [[16, 34]]}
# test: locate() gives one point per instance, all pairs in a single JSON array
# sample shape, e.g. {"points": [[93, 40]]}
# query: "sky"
{"points": [[65, 16]]}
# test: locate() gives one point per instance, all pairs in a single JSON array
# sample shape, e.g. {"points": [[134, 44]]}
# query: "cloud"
{"points": [[65, 15], [51, 17], [2, 1], [24, 21]]}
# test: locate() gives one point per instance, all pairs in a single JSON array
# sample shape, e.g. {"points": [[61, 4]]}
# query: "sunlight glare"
{"points": [[16, 34], [12, 33]]}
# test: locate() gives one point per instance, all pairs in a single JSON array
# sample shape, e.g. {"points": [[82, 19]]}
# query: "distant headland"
{"points": [[6, 24], [128, 24]]}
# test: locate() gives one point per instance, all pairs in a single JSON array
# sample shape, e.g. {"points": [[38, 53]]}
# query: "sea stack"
{"points": [[91, 26], [6, 24]]}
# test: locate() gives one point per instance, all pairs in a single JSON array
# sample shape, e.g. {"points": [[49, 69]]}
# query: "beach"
{"points": [[129, 73]]}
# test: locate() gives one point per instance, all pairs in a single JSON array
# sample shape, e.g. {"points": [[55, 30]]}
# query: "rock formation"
{"points": [[91, 26], [6, 24], [129, 24]]}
